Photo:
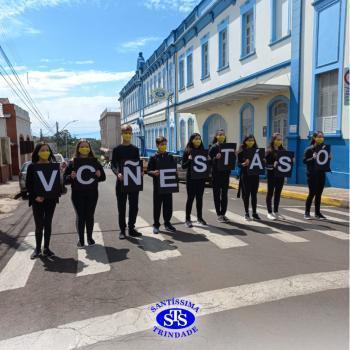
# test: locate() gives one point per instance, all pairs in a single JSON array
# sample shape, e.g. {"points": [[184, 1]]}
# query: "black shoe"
{"points": [[247, 217], [320, 216], [169, 227], [122, 235], [90, 241], [47, 252], [80, 245], [35, 254], [155, 230], [307, 216], [256, 216], [202, 222], [134, 233]]}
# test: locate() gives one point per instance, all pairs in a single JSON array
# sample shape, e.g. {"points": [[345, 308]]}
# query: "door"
{"points": [[279, 121]]}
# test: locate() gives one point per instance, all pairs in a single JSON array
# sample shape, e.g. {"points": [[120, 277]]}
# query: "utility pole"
{"points": [[41, 134]]}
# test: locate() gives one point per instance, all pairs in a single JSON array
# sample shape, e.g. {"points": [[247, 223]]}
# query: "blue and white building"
{"points": [[255, 66]]}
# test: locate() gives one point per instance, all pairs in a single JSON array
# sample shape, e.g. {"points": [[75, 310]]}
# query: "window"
{"points": [[327, 101], [159, 79], [165, 133], [281, 19], [190, 127], [182, 134], [172, 137], [170, 77], [248, 45], [190, 69], [205, 60], [223, 49], [181, 74], [247, 121], [164, 79]]}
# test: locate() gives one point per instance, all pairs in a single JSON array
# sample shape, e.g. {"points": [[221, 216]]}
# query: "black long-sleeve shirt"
{"points": [[153, 164], [271, 158], [122, 153], [213, 152], [309, 161], [72, 182]]}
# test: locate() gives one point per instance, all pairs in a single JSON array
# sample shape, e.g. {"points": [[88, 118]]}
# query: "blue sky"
{"points": [[78, 54]]}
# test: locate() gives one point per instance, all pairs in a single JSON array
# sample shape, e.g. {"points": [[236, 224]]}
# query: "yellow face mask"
{"points": [[250, 144], [84, 150], [44, 155], [162, 148], [277, 143], [127, 137], [197, 142], [319, 140], [220, 138]]}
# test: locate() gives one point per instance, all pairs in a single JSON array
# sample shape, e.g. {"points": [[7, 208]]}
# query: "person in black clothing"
{"points": [[194, 187], [121, 153], [160, 200], [220, 179], [84, 200], [315, 178], [274, 183], [43, 208], [249, 184]]}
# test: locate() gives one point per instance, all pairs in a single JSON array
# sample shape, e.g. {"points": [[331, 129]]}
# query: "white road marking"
{"points": [[155, 246], [332, 218], [334, 211], [331, 233], [16, 272], [93, 260], [276, 233], [109, 327], [219, 237]]}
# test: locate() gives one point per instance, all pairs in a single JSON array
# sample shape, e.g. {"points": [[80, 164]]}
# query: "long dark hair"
{"points": [[189, 145], [215, 140], [77, 154], [244, 146], [272, 140], [315, 135], [35, 154]]}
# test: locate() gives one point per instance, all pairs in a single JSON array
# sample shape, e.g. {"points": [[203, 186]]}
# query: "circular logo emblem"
{"points": [[175, 318]]}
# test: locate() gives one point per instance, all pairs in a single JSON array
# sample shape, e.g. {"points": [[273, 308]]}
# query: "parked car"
{"points": [[145, 161]]}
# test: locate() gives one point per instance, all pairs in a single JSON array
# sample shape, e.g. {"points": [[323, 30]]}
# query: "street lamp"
{"points": [[72, 121]]}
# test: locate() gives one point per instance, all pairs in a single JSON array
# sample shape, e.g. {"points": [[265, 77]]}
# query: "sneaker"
{"points": [[48, 252], [256, 216], [35, 254], [221, 218], [270, 216], [320, 217], [247, 217], [170, 228], [122, 235], [134, 233], [80, 245], [188, 224], [279, 216], [202, 222], [91, 241], [155, 230], [225, 218], [307, 216]]}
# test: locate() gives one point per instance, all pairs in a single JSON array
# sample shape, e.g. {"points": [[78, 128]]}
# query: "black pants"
{"points": [[221, 182], [159, 201], [43, 214], [274, 189], [195, 189], [316, 184], [250, 186], [122, 198], [84, 203]]}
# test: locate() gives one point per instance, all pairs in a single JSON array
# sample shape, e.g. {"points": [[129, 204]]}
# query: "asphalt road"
{"points": [[268, 285]]}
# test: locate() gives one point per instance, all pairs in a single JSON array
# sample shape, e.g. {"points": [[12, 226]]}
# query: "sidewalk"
{"points": [[337, 197], [8, 192]]}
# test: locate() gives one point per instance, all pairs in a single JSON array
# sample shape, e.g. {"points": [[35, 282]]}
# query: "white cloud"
{"points": [[183, 6], [84, 62], [137, 44]]}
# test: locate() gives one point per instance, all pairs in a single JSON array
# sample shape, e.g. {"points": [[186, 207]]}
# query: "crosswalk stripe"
{"points": [[16, 272], [334, 211], [82, 333], [220, 238], [276, 233], [332, 218], [331, 233], [155, 246], [94, 259]]}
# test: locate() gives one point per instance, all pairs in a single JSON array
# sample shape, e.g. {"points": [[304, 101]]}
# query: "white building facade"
{"points": [[249, 67], [110, 131]]}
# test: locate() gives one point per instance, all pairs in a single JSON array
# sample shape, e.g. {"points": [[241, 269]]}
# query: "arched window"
{"points": [[182, 134], [211, 125], [190, 127], [279, 119], [247, 120]]}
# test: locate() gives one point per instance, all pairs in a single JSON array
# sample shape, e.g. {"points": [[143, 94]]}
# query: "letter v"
{"points": [[47, 186]]}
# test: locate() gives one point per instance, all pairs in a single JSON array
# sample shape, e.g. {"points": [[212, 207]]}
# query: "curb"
{"points": [[302, 197]]}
